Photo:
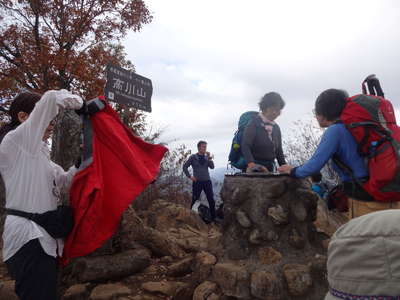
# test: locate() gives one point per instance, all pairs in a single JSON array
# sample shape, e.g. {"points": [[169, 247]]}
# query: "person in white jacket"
{"points": [[31, 180]]}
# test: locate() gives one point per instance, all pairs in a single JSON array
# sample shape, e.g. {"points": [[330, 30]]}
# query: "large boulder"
{"points": [[204, 290], [163, 214], [107, 267], [203, 264], [166, 288], [134, 230], [109, 292], [233, 279], [182, 226], [328, 221], [181, 267], [76, 292]]}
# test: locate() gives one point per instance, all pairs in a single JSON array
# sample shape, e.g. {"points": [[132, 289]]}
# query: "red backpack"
{"points": [[372, 122]]}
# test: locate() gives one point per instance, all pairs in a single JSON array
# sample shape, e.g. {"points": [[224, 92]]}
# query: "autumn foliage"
{"points": [[55, 44], [47, 44]]}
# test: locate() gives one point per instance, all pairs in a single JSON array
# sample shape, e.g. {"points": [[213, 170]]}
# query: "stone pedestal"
{"points": [[272, 250]]}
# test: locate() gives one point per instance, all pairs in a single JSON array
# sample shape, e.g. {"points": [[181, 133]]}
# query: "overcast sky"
{"points": [[212, 60]]}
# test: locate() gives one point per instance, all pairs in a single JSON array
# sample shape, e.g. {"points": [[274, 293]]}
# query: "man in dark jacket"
{"points": [[200, 163], [262, 141]]}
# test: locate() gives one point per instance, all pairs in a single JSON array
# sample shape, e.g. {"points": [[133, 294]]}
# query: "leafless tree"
{"points": [[301, 143]]}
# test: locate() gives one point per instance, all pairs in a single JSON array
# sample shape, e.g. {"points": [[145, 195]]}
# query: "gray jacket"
{"points": [[257, 146], [199, 171]]}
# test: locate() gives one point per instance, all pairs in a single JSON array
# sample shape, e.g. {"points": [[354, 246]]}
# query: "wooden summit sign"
{"points": [[128, 88]]}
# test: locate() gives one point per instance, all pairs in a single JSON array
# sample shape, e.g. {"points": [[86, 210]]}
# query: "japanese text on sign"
{"points": [[128, 88]]}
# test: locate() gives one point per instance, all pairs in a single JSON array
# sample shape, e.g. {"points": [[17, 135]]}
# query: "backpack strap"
{"points": [[90, 108], [346, 169], [385, 137], [360, 145], [354, 180], [20, 213]]}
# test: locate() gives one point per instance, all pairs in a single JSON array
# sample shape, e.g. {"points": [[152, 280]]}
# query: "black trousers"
{"points": [[35, 272], [206, 186]]}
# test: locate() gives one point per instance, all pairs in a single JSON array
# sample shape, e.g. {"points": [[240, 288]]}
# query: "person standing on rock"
{"points": [[32, 182], [200, 163], [338, 144], [262, 141]]}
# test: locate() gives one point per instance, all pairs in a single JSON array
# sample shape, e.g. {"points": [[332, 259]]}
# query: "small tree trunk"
{"points": [[66, 142], [2, 207]]}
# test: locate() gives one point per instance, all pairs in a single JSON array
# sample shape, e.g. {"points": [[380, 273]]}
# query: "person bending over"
{"points": [[338, 143]]}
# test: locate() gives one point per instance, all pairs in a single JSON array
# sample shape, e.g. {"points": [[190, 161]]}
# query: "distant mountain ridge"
{"points": [[218, 174]]}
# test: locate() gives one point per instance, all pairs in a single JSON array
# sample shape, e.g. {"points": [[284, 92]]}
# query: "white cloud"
{"points": [[212, 60]]}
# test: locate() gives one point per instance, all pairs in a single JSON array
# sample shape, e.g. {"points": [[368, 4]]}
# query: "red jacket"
{"points": [[123, 165]]}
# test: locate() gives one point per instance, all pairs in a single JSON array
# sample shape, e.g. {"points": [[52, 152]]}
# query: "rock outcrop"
{"points": [[161, 253], [328, 221], [270, 246]]}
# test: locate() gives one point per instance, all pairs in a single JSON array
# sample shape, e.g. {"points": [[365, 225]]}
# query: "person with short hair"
{"points": [[262, 140], [200, 163], [32, 180], [338, 143]]}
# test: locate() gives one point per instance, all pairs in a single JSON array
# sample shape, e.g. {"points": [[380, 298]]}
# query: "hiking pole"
{"points": [[374, 86]]}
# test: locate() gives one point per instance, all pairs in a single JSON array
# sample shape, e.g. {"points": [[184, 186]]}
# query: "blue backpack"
{"points": [[236, 158]]}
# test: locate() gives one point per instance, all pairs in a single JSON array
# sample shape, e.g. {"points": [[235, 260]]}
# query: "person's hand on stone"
{"points": [[254, 168], [285, 169], [250, 165]]}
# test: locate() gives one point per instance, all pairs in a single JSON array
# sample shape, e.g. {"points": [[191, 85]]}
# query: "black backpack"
{"points": [[204, 213]]}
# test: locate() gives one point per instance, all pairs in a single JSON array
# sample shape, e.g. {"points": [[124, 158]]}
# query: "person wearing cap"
{"points": [[364, 258], [262, 140]]}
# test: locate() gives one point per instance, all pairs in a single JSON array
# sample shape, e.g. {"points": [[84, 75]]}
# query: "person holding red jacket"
{"points": [[32, 181]]}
